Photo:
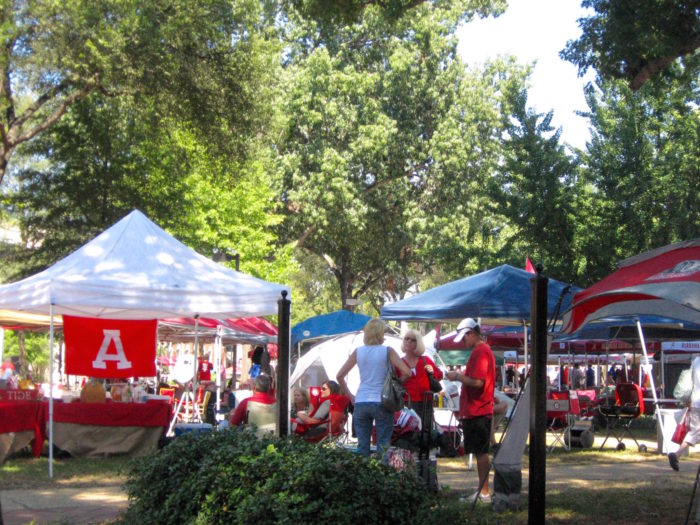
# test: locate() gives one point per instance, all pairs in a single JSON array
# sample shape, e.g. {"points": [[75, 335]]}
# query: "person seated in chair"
{"points": [[316, 423], [261, 395]]}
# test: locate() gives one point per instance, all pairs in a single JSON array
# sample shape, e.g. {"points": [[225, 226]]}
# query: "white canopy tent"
{"points": [[136, 270]]}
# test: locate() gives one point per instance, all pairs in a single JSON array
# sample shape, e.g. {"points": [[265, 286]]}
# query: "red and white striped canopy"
{"points": [[663, 282]]}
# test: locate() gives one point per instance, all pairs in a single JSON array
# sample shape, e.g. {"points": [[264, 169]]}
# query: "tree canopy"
{"points": [[636, 40], [207, 62]]}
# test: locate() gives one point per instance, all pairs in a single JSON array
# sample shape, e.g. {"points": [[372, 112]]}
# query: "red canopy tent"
{"points": [[664, 282]]}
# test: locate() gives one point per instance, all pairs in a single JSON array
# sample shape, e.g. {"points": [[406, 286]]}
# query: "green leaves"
{"points": [[635, 40], [232, 477]]}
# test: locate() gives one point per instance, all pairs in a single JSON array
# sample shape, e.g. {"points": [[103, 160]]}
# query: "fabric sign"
{"points": [[110, 347]]}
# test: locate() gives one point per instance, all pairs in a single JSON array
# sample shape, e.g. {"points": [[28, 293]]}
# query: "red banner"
{"points": [[110, 347]]}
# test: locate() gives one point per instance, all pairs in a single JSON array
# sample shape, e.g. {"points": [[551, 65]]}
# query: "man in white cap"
{"points": [[476, 400]]}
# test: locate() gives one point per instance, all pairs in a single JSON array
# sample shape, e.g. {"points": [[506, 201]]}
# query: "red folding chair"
{"points": [[335, 424], [629, 405], [562, 410]]}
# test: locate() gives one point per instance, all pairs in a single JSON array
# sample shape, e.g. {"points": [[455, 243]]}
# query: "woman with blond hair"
{"points": [[420, 366], [373, 359]]}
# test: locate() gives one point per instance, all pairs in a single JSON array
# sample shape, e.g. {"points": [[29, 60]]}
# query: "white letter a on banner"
{"points": [[102, 356]]}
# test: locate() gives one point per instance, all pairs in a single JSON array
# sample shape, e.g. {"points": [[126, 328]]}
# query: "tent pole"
{"points": [[196, 356], [217, 370], [663, 373], [646, 363], [524, 347], [647, 366], [51, 391]]}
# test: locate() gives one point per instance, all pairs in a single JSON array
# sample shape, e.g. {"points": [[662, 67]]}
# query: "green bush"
{"points": [[234, 478]]}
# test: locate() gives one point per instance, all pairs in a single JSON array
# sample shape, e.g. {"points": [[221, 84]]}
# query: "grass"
{"points": [[639, 493], [26, 472], [654, 496]]}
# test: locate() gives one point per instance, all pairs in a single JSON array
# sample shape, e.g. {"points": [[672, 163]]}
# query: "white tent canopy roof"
{"points": [[135, 270]]}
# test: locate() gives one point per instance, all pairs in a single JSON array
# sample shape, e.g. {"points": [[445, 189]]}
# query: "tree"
{"points": [[357, 162], [104, 159], [331, 14], [32, 349], [636, 40], [204, 62], [536, 190], [642, 166]]}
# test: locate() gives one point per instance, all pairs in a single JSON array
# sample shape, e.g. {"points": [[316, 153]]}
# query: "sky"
{"points": [[536, 30]]}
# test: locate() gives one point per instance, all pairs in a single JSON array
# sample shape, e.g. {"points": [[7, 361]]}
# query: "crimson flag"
{"points": [[528, 266], [110, 347]]}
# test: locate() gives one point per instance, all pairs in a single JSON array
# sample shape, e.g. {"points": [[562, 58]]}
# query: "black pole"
{"points": [[538, 399], [283, 338]]}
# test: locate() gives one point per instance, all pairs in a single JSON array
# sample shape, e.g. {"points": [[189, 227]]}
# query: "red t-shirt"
{"points": [[241, 413], [205, 368], [418, 382], [474, 402]]}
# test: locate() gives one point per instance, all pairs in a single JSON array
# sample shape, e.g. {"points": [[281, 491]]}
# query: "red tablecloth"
{"points": [[18, 416], [149, 414]]}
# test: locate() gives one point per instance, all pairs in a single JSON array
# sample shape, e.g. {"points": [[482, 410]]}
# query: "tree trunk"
{"points": [[22, 372]]}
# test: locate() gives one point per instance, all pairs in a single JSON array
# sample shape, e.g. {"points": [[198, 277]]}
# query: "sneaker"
{"points": [[483, 498], [673, 460]]}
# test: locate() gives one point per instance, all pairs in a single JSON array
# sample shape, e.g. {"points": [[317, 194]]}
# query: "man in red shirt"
{"points": [[261, 394], [476, 400]]}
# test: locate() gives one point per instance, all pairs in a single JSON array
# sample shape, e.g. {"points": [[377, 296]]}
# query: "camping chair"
{"points": [[263, 416], [629, 405], [169, 392], [201, 408], [336, 423], [562, 410]]}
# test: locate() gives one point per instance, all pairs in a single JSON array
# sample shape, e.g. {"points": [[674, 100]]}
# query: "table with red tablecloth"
{"points": [[20, 422], [101, 429], [90, 429]]}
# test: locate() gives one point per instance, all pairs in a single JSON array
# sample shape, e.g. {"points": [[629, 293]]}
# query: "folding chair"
{"points": [[201, 407], [562, 410], [263, 416], [170, 392], [629, 405], [336, 423]]}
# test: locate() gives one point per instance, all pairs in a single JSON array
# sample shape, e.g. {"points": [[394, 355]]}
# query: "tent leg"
{"points": [[647, 366], [51, 392]]}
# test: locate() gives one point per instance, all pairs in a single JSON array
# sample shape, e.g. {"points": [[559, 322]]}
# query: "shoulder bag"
{"points": [[392, 390], [435, 385]]}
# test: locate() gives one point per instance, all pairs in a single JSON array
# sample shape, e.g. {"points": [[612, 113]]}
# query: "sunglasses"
{"points": [[325, 388], [409, 339]]}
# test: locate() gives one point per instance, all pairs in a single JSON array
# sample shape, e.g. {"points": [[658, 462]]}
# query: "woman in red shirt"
{"points": [[420, 366]]}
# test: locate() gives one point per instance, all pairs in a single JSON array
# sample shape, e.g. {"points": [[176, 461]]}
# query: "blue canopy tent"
{"points": [[327, 325], [625, 328], [497, 296]]}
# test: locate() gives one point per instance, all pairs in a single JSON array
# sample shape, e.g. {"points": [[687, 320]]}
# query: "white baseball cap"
{"points": [[464, 327]]}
